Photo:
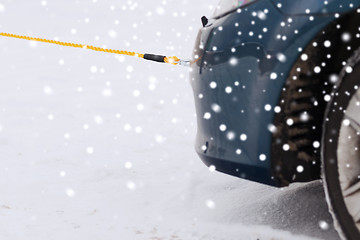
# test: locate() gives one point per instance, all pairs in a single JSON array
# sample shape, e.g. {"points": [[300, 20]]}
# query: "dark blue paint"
{"points": [[242, 110], [310, 7]]}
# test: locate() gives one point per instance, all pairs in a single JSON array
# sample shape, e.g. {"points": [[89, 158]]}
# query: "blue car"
{"points": [[276, 87]]}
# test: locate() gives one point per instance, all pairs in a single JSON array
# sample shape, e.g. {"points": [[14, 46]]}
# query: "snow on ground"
{"points": [[97, 146]]}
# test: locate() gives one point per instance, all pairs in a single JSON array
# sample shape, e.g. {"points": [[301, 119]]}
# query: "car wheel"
{"points": [[341, 150]]}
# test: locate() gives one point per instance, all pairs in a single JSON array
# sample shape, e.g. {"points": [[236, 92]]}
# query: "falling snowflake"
{"points": [[323, 225], [216, 108], [273, 76], [90, 150], [210, 204], [128, 165], [346, 37], [131, 185], [70, 192], [222, 127], [48, 90], [207, 115], [112, 33], [316, 144], [286, 147], [299, 169], [93, 69], [98, 119], [212, 168], [243, 137]]}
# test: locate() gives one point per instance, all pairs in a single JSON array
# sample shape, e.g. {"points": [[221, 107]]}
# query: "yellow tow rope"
{"points": [[158, 58]]}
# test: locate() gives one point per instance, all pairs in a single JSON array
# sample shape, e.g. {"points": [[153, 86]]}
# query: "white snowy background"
{"points": [[99, 146]]}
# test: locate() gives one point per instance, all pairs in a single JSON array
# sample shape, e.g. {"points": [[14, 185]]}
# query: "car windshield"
{"points": [[228, 5]]}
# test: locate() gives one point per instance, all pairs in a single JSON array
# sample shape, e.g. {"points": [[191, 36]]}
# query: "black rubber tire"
{"points": [[341, 96]]}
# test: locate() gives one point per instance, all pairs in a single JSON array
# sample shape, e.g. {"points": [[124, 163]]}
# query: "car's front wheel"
{"points": [[341, 151]]}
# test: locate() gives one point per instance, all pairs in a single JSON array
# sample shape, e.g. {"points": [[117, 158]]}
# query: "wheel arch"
{"points": [[304, 92]]}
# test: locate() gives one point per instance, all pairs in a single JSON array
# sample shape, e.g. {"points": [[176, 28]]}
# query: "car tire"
{"points": [[340, 150]]}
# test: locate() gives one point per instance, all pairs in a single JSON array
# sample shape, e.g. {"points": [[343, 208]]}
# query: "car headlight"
{"points": [[226, 6]]}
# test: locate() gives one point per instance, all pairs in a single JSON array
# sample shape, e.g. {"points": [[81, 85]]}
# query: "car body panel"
{"points": [[240, 63], [311, 7]]}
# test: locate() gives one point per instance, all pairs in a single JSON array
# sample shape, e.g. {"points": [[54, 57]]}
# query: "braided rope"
{"points": [[84, 46], [171, 60]]}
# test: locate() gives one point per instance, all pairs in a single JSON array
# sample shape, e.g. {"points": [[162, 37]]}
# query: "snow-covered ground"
{"points": [[98, 146]]}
